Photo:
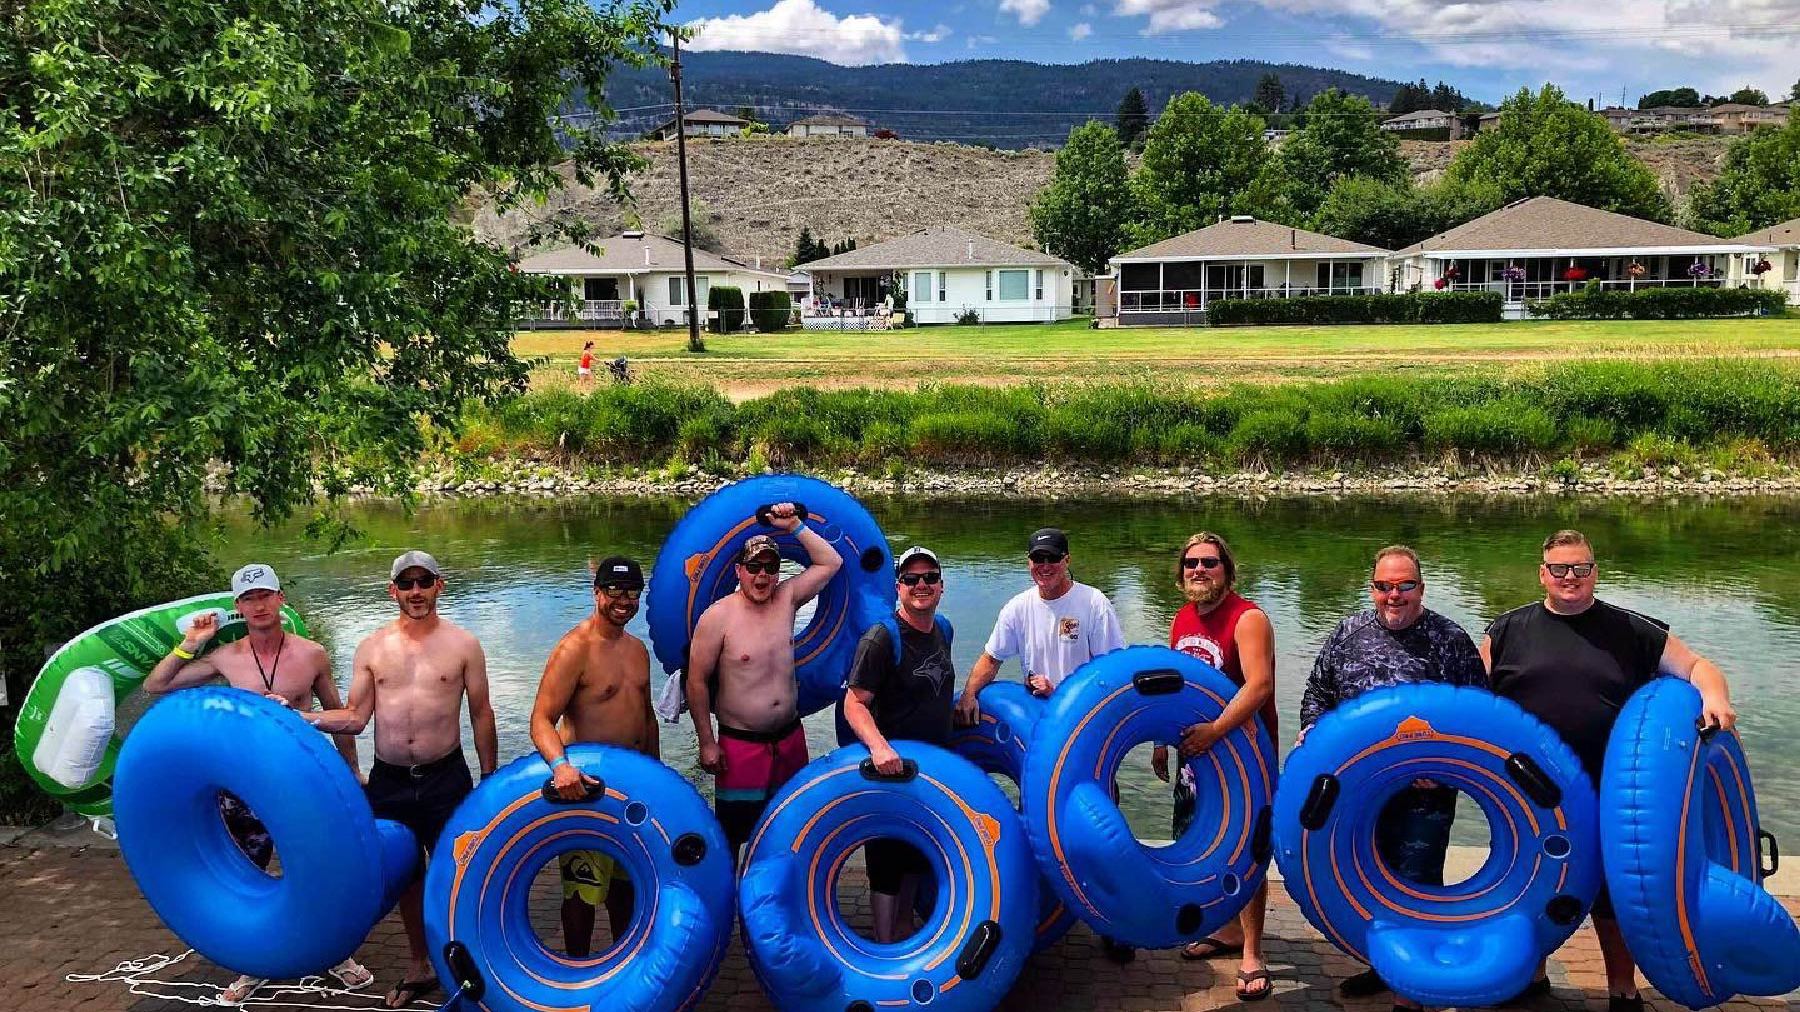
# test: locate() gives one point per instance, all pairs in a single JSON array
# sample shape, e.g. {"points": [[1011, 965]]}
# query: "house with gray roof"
{"points": [[1172, 281], [1423, 119], [1539, 246], [828, 125], [947, 272], [704, 123], [647, 270], [1783, 244]]}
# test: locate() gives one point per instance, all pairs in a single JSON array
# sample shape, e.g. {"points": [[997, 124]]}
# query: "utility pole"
{"points": [[687, 223]]}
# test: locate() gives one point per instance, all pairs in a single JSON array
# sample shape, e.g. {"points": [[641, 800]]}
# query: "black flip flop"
{"points": [[1251, 977], [408, 991], [1220, 947]]}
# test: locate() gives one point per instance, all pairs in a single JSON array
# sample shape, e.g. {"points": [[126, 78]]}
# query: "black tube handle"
{"points": [[592, 787], [1157, 682], [909, 771], [975, 952], [466, 975], [1706, 730], [763, 513], [1774, 851], [1319, 802]]}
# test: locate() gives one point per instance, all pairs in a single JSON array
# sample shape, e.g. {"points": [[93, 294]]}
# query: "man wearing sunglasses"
{"points": [[597, 684], [901, 692], [745, 641], [410, 679], [1397, 641], [1222, 628], [1572, 660], [1054, 627]]}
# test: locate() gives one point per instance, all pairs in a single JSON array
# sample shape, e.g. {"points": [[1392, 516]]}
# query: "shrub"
{"points": [[1272, 436], [771, 311], [727, 301], [1352, 435], [1592, 302], [968, 318], [1503, 426], [1652, 449], [962, 433], [1187, 444], [1420, 307], [1587, 434]]}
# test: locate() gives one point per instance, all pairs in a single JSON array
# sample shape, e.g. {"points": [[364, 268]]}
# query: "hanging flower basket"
{"points": [[1761, 267], [1699, 270], [1452, 272], [1441, 283], [1636, 270], [1512, 272], [1575, 274]]}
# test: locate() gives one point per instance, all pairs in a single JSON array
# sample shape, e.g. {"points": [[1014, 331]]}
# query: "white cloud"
{"points": [[1080, 31], [803, 28], [977, 41], [1030, 12], [1170, 15], [1089, 10], [937, 34]]}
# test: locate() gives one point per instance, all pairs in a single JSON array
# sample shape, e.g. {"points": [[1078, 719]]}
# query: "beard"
{"points": [[1204, 593]]}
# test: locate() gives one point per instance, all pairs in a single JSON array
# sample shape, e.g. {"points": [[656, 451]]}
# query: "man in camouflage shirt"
{"points": [[1397, 642]]}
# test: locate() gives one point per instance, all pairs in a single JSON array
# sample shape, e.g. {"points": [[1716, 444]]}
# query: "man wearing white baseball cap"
{"points": [[410, 678], [269, 661]]}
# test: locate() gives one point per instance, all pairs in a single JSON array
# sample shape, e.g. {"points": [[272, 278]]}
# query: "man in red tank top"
{"points": [[1233, 635]]}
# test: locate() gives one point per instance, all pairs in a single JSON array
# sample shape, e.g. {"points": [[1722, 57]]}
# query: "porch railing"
{"points": [[1175, 300], [1520, 291], [584, 311]]}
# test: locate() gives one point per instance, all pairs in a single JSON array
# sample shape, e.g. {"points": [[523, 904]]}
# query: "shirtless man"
{"points": [[410, 678], [597, 683], [746, 641], [269, 661]]}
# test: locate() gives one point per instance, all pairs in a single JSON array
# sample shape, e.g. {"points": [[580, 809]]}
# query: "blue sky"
{"points": [[1592, 48]]}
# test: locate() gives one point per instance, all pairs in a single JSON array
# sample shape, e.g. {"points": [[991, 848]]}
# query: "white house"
{"points": [[1423, 119], [1242, 258], [1539, 246], [947, 272], [648, 270], [829, 125], [1783, 241], [704, 123]]}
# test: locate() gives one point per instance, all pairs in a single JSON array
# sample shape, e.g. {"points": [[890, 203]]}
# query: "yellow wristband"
{"points": [[183, 654]]}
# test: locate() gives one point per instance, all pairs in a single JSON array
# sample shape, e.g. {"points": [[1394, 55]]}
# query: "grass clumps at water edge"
{"points": [[1647, 414]]}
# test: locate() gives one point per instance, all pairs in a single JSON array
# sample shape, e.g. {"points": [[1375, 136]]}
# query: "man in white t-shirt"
{"points": [[1053, 628]]}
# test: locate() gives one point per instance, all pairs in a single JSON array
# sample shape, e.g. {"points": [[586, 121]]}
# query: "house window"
{"points": [[990, 286], [1340, 277], [675, 296], [1015, 286], [921, 286], [678, 292], [1040, 287], [943, 280]]}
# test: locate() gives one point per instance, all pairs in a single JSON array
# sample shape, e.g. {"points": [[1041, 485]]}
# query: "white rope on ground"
{"points": [[306, 993]]}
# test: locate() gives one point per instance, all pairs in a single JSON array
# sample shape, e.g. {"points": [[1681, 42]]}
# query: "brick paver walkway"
{"points": [[76, 911]]}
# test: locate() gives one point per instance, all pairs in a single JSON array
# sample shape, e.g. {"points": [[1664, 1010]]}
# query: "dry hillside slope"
{"points": [[758, 194]]}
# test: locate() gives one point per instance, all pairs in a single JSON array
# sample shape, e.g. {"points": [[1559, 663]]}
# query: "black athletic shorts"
{"points": [[890, 861], [420, 797]]}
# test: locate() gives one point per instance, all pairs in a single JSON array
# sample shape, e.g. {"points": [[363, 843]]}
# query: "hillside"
{"points": [[758, 194], [1005, 103]]}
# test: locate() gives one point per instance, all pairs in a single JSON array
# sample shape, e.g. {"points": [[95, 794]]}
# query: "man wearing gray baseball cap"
{"points": [[410, 678]]}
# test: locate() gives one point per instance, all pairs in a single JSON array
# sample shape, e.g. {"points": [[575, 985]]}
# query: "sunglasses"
{"points": [[761, 567], [1403, 586], [1045, 558], [406, 583], [1204, 562], [929, 579], [618, 593], [1562, 569]]}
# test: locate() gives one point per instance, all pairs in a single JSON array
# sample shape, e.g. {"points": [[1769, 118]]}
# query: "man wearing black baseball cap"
{"points": [[597, 683]]}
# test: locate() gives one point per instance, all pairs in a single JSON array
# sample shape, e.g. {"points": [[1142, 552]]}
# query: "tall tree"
{"points": [[804, 252], [1447, 99], [1794, 93], [1685, 98], [267, 193], [1341, 136], [1081, 215], [1394, 215], [1199, 162], [1749, 96], [1759, 185], [1133, 118], [1270, 95], [1546, 146]]}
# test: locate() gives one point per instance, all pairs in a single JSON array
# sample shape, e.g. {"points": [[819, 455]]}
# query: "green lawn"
{"points": [[1018, 353]]}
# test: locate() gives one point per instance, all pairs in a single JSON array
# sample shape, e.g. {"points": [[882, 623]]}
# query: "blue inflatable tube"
{"points": [[1151, 897], [341, 868], [968, 952], [696, 567], [1683, 853], [996, 745], [1474, 943], [647, 819]]}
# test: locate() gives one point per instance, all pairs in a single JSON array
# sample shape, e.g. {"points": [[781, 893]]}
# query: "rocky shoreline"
{"points": [[531, 478]]}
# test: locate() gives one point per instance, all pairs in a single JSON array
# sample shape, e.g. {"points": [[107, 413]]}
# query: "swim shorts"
{"points": [[757, 763], [588, 874], [420, 797]]}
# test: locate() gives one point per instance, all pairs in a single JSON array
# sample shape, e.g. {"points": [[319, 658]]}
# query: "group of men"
{"points": [[1570, 659]]}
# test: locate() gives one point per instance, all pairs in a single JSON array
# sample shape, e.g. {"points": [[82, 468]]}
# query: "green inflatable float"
{"points": [[66, 735]]}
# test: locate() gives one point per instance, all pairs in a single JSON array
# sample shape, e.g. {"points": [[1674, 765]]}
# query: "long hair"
{"points": [[1225, 556]]}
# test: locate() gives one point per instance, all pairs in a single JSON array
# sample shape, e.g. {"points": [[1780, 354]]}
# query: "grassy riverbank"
{"points": [[752, 365], [1736, 416]]}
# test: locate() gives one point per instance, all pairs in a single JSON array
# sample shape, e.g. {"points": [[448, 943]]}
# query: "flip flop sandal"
{"points": [[351, 975], [244, 986], [1251, 977], [408, 991], [1220, 947]]}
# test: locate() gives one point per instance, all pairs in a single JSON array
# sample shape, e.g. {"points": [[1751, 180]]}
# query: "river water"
{"points": [[1723, 574]]}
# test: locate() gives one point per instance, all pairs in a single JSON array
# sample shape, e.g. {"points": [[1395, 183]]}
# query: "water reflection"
{"points": [[1722, 574]]}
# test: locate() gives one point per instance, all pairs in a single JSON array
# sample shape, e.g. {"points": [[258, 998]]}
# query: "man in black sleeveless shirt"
{"points": [[1572, 661]]}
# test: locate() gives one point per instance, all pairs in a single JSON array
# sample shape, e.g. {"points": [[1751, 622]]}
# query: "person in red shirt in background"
{"points": [[1234, 636], [585, 370]]}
